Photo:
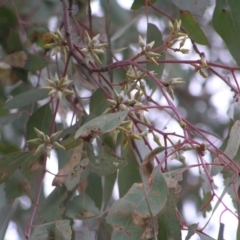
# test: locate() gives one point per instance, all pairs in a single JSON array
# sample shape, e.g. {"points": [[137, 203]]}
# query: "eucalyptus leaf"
{"points": [[192, 28], [26, 98], [130, 214], [102, 124], [168, 221], [130, 174], [10, 162], [104, 163], [226, 21], [140, 3], [5, 120], [41, 119], [191, 231], [82, 207], [154, 34], [51, 209], [60, 230], [35, 62], [195, 7], [233, 143]]}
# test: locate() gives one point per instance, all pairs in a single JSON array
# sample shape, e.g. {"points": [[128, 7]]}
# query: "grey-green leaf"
{"points": [[60, 230], [26, 98], [231, 148], [82, 207], [226, 21], [105, 163], [102, 124], [5, 120], [129, 214]]}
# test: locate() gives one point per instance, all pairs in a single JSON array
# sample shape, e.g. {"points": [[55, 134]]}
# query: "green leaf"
{"points": [[10, 162], [130, 215], [226, 21], [13, 42], [203, 236], [6, 213], [192, 28], [140, 3], [41, 119], [6, 148], [71, 142], [233, 143], [105, 230], [154, 34], [60, 230], [233, 111], [35, 62], [8, 21], [108, 185], [51, 209], [168, 223], [26, 98], [16, 185], [22, 74], [82, 207], [130, 174], [191, 230], [9, 119], [94, 189], [72, 179], [105, 163], [98, 103], [195, 7], [102, 124]]}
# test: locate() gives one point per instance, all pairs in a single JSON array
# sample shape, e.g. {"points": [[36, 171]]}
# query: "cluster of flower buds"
{"points": [[175, 36], [93, 48], [173, 83], [58, 87], [121, 102], [146, 50], [59, 45], [46, 143]]}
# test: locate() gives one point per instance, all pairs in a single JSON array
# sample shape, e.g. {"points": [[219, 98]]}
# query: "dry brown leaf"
{"points": [[70, 165]]}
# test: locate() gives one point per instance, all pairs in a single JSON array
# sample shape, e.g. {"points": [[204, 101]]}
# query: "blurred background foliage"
{"points": [[25, 27]]}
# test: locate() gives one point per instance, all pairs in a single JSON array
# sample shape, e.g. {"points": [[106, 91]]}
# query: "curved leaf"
{"points": [[154, 34], [105, 163], [9, 119], [232, 143], [226, 21], [130, 215], [51, 210], [82, 207], [130, 174], [192, 28], [60, 230], [101, 124], [35, 62], [168, 222], [195, 7], [10, 162], [98, 103], [140, 3], [26, 98]]}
